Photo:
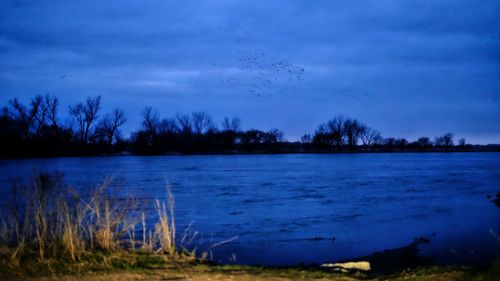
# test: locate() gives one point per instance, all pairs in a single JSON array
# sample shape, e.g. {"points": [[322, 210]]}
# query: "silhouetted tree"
{"points": [[108, 128], [201, 122], [389, 142], [150, 121], [448, 140], [29, 120], [35, 120], [184, 123], [353, 130], [423, 142], [230, 131], [335, 128], [321, 137], [233, 124], [341, 131], [168, 126], [306, 138], [370, 136], [274, 136], [252, 137], [401, 143], [51, 104], [85, 116], [462, 142], [34, 129], [445, 140]]}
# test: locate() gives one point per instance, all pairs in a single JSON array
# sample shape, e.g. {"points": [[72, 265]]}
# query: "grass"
{"points": [[490, 273], [46, 225], [145, 266]]}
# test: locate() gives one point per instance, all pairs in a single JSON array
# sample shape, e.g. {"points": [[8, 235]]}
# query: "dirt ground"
{"points": [[164, 275]]}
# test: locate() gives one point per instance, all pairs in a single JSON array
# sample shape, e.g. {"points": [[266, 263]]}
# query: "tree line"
{"points": [[347, 134], [36, 129], [198, 133]]}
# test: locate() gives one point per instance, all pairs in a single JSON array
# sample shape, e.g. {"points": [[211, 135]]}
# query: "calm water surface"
{"points": [[291, 209]]}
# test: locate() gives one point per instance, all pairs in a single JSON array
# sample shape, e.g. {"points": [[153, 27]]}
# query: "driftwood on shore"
{"points": [[387, 261], [347, 266]]}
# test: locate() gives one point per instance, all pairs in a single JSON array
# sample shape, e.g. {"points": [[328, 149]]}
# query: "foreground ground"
{"points": [[238, 273]]}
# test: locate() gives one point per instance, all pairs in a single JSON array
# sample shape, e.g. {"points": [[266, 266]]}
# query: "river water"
{"points": [[291, 209]]}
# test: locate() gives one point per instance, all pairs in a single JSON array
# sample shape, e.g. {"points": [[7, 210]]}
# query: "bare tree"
{"points": [[110, 124], [423, 142], [39, 113], [306, 138], [232, 125], [353, 129], [78, 117], [448, 140], [150, 121], [462, 142], [50, 104], [445, 140], [401, 143], [335, 128], [201, 122], [184, 122], [389, 142], [22, 115], [274, 136], [90, 110], [118, 118], [31, 120], [370, 136], [86, 116], [167, 125]]}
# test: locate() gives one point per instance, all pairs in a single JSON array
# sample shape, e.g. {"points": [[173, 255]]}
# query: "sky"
{"points": [[407, 68]]}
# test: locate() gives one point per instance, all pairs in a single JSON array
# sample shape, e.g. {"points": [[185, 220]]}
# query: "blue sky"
{"points": [[406, 68]]}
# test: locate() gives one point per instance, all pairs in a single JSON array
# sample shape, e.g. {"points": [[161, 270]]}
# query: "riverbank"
{"points": [[402, 263], [168, 270]]}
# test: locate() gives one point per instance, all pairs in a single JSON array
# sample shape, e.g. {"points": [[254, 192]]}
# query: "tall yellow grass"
{"points": [[165, 228], [44, 216]]}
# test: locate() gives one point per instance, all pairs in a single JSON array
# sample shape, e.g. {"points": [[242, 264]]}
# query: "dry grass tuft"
{"points": [[45, 218], [165, 228]]}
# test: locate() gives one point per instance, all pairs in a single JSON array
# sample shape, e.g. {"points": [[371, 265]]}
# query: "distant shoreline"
{"points": [[287, 148]]}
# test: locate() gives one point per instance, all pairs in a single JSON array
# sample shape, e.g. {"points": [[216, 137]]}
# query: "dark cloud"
{"points": [[406, 67]]}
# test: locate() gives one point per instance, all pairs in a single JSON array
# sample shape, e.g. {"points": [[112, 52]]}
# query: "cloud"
{"points": [[367, 59]]}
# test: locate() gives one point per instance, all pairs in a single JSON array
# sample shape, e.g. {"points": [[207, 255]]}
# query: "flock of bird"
{"points": [[261, 74], [258, 73]]}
